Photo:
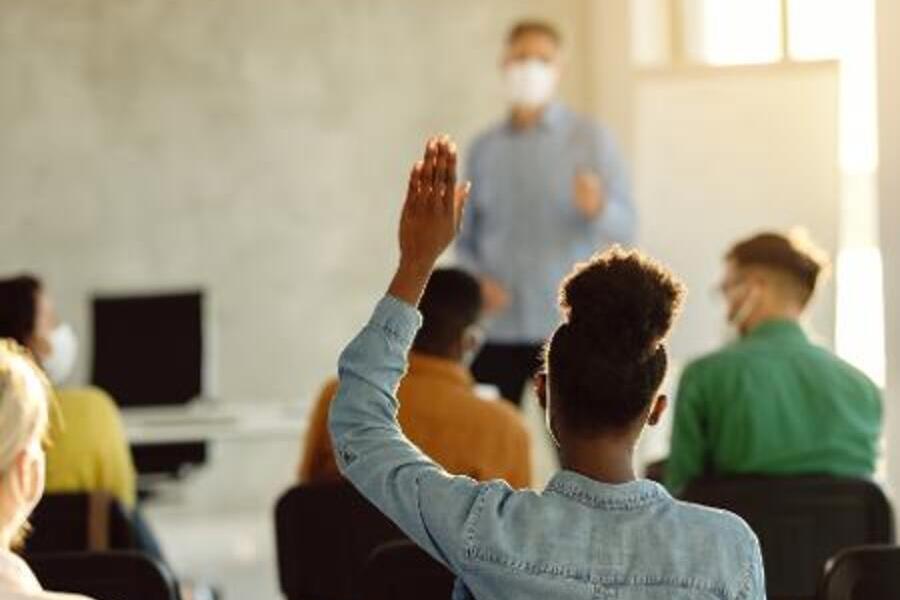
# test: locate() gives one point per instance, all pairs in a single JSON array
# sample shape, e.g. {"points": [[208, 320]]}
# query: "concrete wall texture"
{"points": [[257, 150]]}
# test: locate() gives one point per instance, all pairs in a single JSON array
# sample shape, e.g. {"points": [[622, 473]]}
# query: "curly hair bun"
{"points": [[621, 302]]}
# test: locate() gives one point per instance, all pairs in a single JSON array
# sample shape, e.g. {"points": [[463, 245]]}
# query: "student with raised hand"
{"points": [[596, 530], [24, 401]]}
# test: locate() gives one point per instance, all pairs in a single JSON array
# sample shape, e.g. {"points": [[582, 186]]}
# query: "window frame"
{"points": [[678, 59]]}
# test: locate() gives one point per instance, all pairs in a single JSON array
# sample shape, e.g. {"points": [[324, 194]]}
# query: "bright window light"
{"points": [[651, 39], [732, 32], [816, 28], [860, 327]]}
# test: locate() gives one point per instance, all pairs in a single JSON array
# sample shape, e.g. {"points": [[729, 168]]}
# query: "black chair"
{"points": [[325, 533], [79, 523], [801, 522], [863, 573], [105, 575], [400, 570]]}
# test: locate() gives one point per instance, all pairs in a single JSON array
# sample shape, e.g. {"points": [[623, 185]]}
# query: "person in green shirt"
{"points": [[773, 402]]}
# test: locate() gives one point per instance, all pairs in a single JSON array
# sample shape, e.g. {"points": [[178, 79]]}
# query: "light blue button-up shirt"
{"points": [[521, 226], [578, 539]]}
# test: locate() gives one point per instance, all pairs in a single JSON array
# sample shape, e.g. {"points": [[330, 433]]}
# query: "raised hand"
{"points": [[430, 219]]}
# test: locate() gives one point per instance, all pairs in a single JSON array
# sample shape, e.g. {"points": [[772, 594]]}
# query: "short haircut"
{"points": [[451, 304], [792, 255], [18, 307], [607, 359], [529, 26]]}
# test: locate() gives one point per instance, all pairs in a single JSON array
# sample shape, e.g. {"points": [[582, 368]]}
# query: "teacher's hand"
{"points": [[589, 194], [430, 219], [494, 296]]}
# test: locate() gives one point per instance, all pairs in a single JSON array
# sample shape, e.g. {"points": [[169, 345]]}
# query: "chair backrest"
{"points": [[863, 573], [400, 570], [79, 523], [801, 522], [105, 575], [325, 533]]}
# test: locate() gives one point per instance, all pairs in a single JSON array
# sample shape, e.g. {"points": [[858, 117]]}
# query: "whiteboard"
{"points": [[723, 154]]}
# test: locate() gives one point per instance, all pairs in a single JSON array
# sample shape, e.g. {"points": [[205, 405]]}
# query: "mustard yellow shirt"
{"points": [[87, 449], [441, 414]]}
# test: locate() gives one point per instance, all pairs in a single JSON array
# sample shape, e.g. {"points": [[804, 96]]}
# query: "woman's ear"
{"points": [[657, 410]]}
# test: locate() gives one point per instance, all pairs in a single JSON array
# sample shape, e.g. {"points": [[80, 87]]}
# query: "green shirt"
{"points": [[774, 403]]}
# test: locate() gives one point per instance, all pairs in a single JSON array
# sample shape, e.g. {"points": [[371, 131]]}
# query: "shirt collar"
{"points": [[778, 328], [424, 365], [15, 574], [595, 494]]}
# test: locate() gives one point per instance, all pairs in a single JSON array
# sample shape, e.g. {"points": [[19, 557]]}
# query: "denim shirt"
{"points": [[578, 539]]}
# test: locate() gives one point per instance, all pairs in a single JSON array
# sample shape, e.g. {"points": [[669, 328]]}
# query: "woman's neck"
{"points": [[604, 459], [526, 117]]}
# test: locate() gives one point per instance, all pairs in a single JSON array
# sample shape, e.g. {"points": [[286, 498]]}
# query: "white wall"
{"points": [[721, 155], [255, 149], [889, 174]]}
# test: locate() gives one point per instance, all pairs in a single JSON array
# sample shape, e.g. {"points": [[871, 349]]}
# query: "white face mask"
{"points": [[738, 318], [531, 83], [63, 352]]}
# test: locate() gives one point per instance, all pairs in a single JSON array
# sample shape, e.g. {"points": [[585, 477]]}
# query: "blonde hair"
{"points": [[24, 403]]}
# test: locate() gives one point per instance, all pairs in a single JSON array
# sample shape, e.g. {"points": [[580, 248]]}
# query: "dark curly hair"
{"points": [[18, 307], [607, 359], [451, 303]]}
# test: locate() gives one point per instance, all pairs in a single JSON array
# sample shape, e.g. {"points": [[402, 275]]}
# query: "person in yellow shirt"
{"points": [[87, 450], [439, 409]]}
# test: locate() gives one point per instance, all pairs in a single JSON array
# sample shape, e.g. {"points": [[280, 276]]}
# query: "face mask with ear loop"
{"points": [[530, 83], [473, 341], [63, 352], [745, 308]]}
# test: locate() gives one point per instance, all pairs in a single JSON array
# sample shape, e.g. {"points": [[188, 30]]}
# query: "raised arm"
{"points": [[432, 507]]}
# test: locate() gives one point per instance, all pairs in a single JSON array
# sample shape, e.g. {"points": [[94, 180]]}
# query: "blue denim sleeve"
{"points": [[754, 587], [430, 506]]}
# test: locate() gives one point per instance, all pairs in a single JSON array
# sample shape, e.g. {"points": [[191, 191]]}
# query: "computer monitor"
{"points": [[148, 349]]}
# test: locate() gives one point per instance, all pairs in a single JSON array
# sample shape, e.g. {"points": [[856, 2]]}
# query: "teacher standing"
{"points": [[548, 189]]}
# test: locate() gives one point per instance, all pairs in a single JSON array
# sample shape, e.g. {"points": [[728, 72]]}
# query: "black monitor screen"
{"points": [[148, 350]]}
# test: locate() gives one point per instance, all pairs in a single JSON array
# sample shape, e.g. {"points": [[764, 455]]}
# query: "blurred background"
{"points": [[257, 152]]}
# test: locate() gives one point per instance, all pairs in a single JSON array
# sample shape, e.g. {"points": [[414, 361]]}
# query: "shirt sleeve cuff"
{"points": [[398, 319]]}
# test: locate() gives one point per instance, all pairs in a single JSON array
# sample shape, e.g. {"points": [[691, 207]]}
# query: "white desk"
{"points": [[207, 420]]}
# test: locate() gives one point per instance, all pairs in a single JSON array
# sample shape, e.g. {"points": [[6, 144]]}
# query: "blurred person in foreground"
{"points": [[773, 402], [25, 398], [596, 530], [87, 451], [440, 411], [548, 189]]}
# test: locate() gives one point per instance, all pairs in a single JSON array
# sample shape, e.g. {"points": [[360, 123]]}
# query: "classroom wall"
{"points": [[255, 149], [724, 154]]}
